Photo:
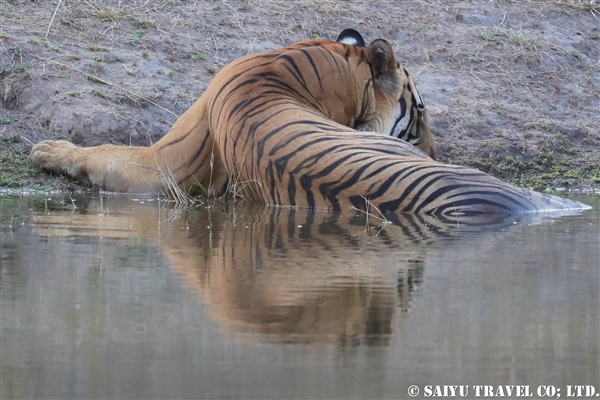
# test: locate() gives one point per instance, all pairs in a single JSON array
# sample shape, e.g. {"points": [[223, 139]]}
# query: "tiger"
{"points": [[318, 124]]}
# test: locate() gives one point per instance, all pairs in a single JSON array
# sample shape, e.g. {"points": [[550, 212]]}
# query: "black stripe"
{"points": [[312, 63], [292, 189], [444, 209], [234, 77], [364, 110], [261, 143], [279, 84], [315, 158], [291, 224], [304, 145], [439, 192], [393, 205], [199, 151], [306, 184], [178, 140], [271, 181], [331, 55], [259, 108], [516, 202], [298, 73], [377, 171], [402, 115], [329, 195], [330, 191], [255, 125], [194, 171]]}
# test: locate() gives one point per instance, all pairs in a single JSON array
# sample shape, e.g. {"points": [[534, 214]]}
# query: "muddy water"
{"points": [[117, 297]]}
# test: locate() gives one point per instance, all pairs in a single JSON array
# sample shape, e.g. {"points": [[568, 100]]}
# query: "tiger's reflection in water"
{"points": [[284, 275]]}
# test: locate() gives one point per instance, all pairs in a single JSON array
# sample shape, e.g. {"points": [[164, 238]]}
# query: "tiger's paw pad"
{"points": [[52, 155]]}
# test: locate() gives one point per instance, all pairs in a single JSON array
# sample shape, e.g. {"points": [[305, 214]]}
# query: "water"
{"points": [[116, 297]]}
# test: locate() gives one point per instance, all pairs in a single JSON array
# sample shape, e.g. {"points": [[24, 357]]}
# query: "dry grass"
{"points": [[174, 193], [590, 5], [237, 189], [96, 79], [379, 216]]}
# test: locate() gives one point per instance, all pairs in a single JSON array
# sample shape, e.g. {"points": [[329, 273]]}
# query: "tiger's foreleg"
{"points": [[109, 167], [185, 157]]}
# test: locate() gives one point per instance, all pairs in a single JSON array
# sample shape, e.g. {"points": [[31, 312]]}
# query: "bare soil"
{"points": [[512, 86]]}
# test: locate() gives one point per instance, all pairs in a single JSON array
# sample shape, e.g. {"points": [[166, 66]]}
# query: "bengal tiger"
{"points": [[316, 124]]}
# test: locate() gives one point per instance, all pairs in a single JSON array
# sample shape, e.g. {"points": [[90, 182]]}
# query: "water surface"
{"points": [[118, 297]]}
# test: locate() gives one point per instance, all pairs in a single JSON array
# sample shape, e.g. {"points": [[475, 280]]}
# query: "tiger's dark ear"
{"points": [[351, 37], [381, 57]]}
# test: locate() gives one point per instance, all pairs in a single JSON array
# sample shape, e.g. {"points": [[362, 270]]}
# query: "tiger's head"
{"points": [[399, 110]]}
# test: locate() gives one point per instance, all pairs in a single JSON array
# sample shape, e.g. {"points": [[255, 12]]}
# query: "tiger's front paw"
{"points": [[58, 157]]}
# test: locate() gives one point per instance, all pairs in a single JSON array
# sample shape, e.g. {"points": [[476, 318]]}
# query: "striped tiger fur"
{"points": [[315, 124]]}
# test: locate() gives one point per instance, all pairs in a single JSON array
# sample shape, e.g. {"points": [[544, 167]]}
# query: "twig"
{"points": [[52, 19], [503, 18], [72, 201], [476, 77], [591, 5], [95, 78], [368, 204]]}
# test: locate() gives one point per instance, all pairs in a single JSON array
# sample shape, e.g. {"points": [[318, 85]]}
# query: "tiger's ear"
{"points": [[381, 57], [351, 37]]}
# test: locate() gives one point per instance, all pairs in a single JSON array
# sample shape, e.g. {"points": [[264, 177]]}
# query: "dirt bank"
{"points": [[512, 86]]}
